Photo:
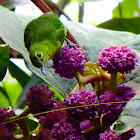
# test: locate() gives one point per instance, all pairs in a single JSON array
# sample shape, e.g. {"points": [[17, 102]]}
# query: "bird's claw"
{"points": [[69, 43]]}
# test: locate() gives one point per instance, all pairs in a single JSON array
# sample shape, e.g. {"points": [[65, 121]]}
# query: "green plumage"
{"points": [[44, 38]]}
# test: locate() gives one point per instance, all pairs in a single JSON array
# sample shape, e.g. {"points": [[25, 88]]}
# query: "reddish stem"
{"points": [[42, 6]]}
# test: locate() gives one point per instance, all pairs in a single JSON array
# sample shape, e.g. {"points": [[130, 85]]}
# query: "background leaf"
{"points": [[13, 3], [18, 74], [4, 98], [130, 117], [4, 59], [129, 9], [122, 24]]}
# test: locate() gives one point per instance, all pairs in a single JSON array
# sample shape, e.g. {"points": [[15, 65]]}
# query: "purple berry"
{"points": [[44, 135], [127, 135], [40, 98], [75, 137], [82, 97], [5, 134], [85, 125], [112, 111], [127, 92], [6, 129], [109, 135], [49, 119], [61, 130], [117, 59], [69, 61]]}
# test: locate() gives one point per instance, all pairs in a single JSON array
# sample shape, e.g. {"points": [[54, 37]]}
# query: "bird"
{"points": [[44, 38]]}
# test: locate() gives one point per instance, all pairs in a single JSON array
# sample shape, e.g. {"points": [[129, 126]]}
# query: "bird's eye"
{"points": [[39, 55]]}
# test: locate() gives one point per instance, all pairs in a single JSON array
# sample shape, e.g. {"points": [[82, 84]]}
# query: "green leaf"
{"points": [[18, 74], [13, 90], [4, 58], [129, 9], [4, 99], [31, 124], [122, 24], [130, 117]]}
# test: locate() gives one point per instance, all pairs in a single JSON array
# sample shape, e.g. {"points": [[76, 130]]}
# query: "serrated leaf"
{"points": [[122, 24], [4, 58], [130, 117]]}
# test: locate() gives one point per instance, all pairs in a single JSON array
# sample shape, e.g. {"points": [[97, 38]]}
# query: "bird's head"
{"points": [[38, 57]]}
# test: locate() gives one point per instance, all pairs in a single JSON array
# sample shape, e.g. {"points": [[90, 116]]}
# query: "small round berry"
{"points": [[82, 97], [71, 60], [118, 59], [40, 98]]}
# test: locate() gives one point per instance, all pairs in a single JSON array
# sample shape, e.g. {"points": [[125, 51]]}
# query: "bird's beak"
{"points": [[43, 68]]}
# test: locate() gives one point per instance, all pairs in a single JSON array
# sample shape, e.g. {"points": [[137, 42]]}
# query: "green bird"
{"points": [[44, 38]]}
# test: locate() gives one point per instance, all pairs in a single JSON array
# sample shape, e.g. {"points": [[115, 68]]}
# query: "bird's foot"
{"points": [[69, 43]]}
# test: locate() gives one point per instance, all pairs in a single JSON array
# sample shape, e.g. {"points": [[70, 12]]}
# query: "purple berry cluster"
{"points": [[111, 111], [117, 59], [6, 129], [84, 114], [68, 123], [82, 97], [71, 60], [64, 123], [39, 98], [110, 135]]}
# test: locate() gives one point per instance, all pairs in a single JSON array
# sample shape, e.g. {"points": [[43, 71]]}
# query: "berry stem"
{"points": [[80, 80], [113, 82], [20, 119], [25, 130]]}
